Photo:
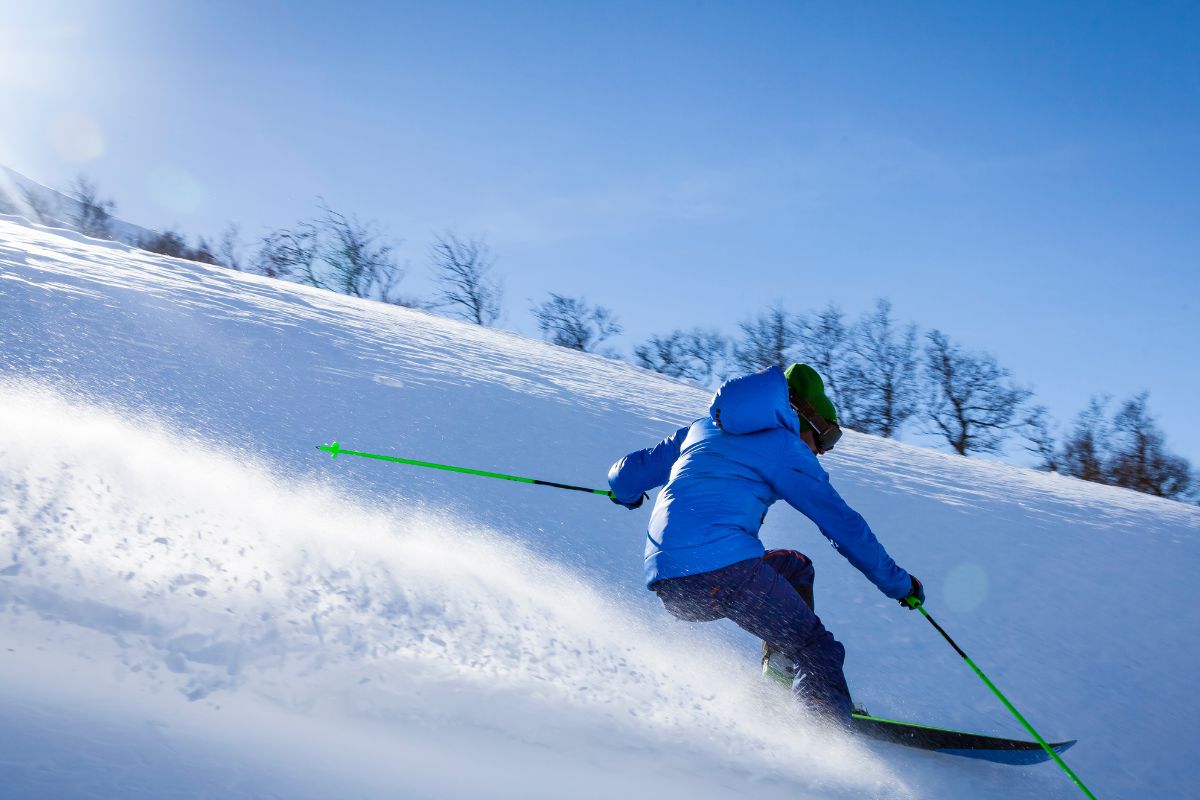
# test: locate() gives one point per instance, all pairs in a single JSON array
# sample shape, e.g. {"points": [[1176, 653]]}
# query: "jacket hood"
{"points": [[754, 403]]}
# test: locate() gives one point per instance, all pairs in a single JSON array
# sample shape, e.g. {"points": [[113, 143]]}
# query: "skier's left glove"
{"points": [[916, 596], [631, 506]]}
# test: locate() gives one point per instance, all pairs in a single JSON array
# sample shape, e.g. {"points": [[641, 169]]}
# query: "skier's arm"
{"points": [[805, 485], [642, 470]]}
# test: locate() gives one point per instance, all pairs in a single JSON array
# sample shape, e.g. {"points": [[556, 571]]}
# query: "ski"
{"points": [[952, 742]]}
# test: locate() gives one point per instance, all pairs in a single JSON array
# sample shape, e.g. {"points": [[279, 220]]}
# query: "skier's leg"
{"points": [[797, 569], [689, 598], [761, 601]]}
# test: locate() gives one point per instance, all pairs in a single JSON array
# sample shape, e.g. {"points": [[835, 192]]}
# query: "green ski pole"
{"points": [[914, 603], [336, 450]]}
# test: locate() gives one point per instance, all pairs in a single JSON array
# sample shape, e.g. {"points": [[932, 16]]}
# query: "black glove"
{"points": [[631, 506], [917, 593]]}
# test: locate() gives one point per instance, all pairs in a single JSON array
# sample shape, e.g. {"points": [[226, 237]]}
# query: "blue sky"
{"points": [[1022, 176]]}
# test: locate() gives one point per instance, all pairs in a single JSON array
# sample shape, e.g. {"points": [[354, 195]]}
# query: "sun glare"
{"points": [[36, 47]]}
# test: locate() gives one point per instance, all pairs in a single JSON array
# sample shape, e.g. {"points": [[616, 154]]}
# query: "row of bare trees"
{"points": [[883, 375], [1126, 448], [342, 253], [81, 208], [333, 251], [875, 370]]}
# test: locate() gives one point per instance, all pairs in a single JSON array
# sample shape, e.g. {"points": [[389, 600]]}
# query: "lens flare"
{"points": [[966, 587], [77, 136], [176, 190]]}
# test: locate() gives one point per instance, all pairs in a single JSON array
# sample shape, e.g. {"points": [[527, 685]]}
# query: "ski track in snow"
{"points": [[251, 619]]}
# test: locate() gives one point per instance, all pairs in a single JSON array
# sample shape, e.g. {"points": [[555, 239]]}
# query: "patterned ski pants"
{"points": [[771, 598]]}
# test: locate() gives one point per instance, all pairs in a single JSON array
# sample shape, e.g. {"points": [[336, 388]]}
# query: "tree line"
{"points": [[883, 374]]}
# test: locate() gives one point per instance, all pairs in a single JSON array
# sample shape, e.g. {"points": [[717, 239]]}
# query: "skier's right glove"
{"points": [[631, 506], [915, 597]]}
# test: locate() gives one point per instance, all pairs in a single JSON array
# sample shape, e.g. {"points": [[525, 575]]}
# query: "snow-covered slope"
{"points": [[196, 602]]}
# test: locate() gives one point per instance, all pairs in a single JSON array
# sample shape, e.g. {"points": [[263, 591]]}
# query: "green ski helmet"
{"points": [[807, 393]]}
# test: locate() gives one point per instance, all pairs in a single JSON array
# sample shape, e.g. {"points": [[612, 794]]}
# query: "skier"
{"points": [[758, 444]]}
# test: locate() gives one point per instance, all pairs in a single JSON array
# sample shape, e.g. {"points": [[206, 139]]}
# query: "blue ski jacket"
{"points": [[724, 471]]}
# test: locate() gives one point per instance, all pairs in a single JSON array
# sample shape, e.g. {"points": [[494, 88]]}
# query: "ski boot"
{"points": [[776, 667]]}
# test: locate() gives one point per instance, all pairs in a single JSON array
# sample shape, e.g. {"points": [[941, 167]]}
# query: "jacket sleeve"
{"points": [[642, 470], [805, 485]]}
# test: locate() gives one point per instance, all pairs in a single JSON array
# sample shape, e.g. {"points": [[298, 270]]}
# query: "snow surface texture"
{"points": [[195, 602]]}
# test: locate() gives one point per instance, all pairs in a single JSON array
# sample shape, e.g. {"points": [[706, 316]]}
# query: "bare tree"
{"points": [[768, 339], [571, 322], [879, 384], [357, 260], [697, 355], [288, 252], [824, 342], [41, 208], [1139, 459], [1038, 430], [408, 301], [1084, 452], [169, 243], [334, 252], [92, 216], [971, 401], [202, 252], [229, 247], [461, 270]]}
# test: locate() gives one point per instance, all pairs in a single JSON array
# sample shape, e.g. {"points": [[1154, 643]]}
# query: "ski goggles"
{"points": [[826, 433]]}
